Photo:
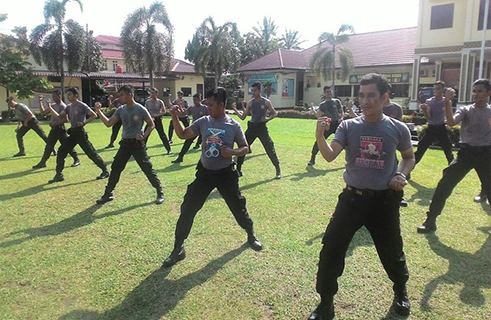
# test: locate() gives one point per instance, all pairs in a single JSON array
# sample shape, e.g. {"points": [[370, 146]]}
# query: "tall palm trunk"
{"points": [[333, 70], [62, 67]]}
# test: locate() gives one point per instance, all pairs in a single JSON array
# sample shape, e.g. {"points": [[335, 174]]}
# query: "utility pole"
{"points": [[88, 34], [483, 41]]}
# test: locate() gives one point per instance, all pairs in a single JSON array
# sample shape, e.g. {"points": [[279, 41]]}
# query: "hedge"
{"points": [[453, 134]]}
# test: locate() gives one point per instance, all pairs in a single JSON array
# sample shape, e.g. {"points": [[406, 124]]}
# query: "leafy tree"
{"points": [[16, 74], [250, 48], [146, 48], [93, 60], [214, 48], [291, 40], [323, 61], [56, 41], [266, 33]]}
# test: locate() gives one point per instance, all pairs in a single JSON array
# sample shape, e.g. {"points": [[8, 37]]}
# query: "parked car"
{"points": [[141, 95]]}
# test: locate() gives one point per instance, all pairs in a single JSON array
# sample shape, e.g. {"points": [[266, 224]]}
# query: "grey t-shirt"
{"points": [[77, 113], [132, 119], [197, 111], [59, 108], [258, 110], [371, 150], [21, 112], [331, 108], [184, 105], [393, 110], [437, 111], [476, 125], [216, 133], [154, 106]]}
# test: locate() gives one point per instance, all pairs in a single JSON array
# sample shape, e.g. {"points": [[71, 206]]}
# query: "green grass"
{"points": [[62, 257]]}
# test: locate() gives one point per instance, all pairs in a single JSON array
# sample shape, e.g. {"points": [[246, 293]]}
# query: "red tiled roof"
{"points": [[179, 67], [100, 75], [112, 53], [389, 47], [108, 39]]}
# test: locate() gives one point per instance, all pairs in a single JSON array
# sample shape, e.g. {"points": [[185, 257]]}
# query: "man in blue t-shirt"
{"points": [[332, 109], [214, 170], [371, 198], [132, 115]]}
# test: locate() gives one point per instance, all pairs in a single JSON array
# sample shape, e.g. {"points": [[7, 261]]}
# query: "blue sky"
{"points": [[310, 18]]}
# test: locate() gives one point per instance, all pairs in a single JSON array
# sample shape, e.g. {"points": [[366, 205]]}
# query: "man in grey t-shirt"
{"points": [[156, 108], [27, 121], [374, 185], [196, 111], [474, 153], [214, 170], [132, 115]]}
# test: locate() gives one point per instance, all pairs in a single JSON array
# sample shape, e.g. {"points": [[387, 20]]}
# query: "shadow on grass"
{"points": [[312, 172], [469, 269], [362, 238], [486, 206], [18, 158], [71, 223], [423, 194], [156, 296], [21, 174], [40, 188]]}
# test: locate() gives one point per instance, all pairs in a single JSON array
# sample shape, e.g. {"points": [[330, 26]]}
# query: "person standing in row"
{"points": [[184, 119], [434, 111], [332, 109], [132, 115], [114, 104], [77, 112], [27, 121], [371, 198], [156, 108], [197, 111], [57, 132], [258, 106], [474, 153], [214, 170]]}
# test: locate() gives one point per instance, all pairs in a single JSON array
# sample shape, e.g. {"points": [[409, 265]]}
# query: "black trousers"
{"points": [[31, 124], [227, 183], [80, 137], [135, 148], [468, 158], [380, 215], [160, 130], [260, 130], [433, 132], [332, 129], [115, 130], [185, 123], [187, 144], [57, 133]]}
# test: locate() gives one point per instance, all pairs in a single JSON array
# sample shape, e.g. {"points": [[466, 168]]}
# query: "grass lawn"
{"points": [[63, 257]]}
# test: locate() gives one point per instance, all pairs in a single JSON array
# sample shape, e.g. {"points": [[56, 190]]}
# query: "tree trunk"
{"points": [[62, 66], [333, 71], [152, 81]]}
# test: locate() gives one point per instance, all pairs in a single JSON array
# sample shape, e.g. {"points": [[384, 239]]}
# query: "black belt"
{"points": [[368, 193], [474, 149]]}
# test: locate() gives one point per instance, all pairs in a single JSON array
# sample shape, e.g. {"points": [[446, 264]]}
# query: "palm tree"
{"points": [[323, 61], [291, 40], [214, 48], [65, 43], [267, 35], [145, 48]]}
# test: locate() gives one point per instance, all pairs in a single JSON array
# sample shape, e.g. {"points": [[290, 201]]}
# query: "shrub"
{"points": [[296, 114]]}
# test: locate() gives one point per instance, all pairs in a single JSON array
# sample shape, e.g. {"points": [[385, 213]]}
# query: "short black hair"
{"points": [[219, 94], [484, 82], [10, 98], [153, 89], [327, 88], [441, 83], [57, 91], [376, 79], [257, 85], [126, 89], [197, 95], [73, 90], [179, 92]]}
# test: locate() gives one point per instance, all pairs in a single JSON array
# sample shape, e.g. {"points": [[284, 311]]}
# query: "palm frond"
{"points": [[75, 45], [347, 62]]}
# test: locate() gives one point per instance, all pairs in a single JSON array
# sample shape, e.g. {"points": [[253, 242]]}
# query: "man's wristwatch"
{"points": [[398, 173]]}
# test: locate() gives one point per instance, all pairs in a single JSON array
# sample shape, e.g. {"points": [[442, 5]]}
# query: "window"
{"points": [[343, 91], [356, 91], [442, 16], [481, 16], [287, 88], [104, 64], [115, 65], [186, 92], [400, 90]]}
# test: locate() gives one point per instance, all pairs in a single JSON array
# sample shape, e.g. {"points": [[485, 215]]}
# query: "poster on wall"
{"points": [[287, 88], [264, 79]]}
